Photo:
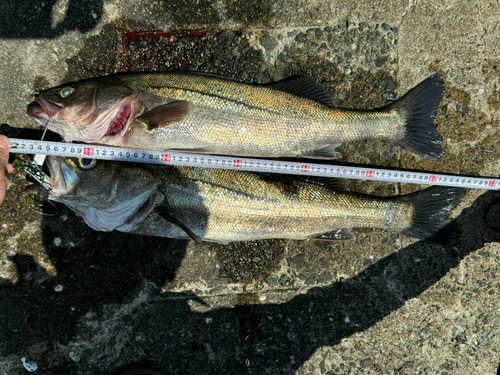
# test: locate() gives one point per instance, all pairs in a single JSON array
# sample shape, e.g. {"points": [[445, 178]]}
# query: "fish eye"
{"points": [[85, 163], [67, 91]]}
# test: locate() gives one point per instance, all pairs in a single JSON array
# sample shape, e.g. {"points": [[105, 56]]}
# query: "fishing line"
{"points": [[46, 127]]}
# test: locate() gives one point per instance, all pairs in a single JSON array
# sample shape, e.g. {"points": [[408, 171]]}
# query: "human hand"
{"points": [[4, 165]]}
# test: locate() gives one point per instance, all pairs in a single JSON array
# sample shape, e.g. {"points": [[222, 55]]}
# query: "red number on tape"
{"points": [[305, 168], [433, 178], [88, 151], [165, 157], [492, 184], [370, 173], [237, 163]]}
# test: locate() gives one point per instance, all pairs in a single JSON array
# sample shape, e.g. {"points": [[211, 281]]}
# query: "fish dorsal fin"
{"points": [[340, 234], [167, 114], [328, 182], [214, 75], [305, 87], [325, 153]]}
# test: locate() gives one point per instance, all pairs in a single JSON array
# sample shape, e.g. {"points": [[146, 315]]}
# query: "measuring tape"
{"points": [[25, 146]]}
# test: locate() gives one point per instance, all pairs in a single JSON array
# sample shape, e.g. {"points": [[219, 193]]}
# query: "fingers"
{"points": [[4, 165]]}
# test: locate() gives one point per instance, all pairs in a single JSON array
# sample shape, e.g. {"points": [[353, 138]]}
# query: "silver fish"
{"points": [[209, 114], [224, 205]]}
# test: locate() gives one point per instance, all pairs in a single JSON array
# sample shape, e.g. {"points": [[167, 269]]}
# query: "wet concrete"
{"points": [[77, 301]]}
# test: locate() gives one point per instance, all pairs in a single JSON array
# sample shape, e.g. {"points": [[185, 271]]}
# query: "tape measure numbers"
{"points": [[25, 146]]}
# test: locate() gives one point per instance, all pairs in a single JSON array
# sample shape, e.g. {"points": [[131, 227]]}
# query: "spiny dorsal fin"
{"points": [[213, 75], [167, 114], [341, 234], [328, 182], [305, 87]]}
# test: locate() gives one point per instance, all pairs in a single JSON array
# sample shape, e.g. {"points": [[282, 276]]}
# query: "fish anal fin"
{"points": [[219, 242], [325, 153], [305, 87], [340, 234], [199, 150], [167, 114]]}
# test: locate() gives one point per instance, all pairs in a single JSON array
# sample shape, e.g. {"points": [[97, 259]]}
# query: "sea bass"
{"points": [[224, 205], [204, 113]]}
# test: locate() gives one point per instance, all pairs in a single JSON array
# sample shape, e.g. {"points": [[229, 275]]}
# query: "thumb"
{"points": [[4, 154], [4, 165]]}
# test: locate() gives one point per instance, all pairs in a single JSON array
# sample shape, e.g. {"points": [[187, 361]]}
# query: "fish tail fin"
{"points": [[432, 208], [418, 108]]}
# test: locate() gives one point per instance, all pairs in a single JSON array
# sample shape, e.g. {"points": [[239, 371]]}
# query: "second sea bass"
{"points": [[224, 205], [203, 113]]}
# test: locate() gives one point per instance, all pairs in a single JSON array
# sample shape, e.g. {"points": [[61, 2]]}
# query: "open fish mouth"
{"points": [[113, 218], [142, 212], [88, 124], [37, 112], [43, 109], [119, 124], [115, 122]]}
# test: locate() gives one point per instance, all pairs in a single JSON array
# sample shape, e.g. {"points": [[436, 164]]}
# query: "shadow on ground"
{"points": [[105, 272], [35, 19], [271, 338], [94, 270]]}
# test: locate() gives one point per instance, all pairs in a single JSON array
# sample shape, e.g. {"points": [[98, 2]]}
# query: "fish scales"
{"points": [[225, 205], [213, 115], [242, 206], [233, 115]]}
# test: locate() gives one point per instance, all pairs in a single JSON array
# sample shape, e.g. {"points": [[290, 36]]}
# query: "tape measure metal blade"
{"points": [[248, 164]]}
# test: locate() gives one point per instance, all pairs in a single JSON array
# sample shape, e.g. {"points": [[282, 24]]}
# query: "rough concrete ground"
{"points": [[81, 302]]}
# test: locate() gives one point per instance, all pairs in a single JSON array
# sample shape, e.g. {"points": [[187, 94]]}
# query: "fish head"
{"points": [[98, 111], [109, 196]]}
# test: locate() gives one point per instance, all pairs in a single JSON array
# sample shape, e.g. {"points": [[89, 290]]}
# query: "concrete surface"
{"points": [[81, 302]]}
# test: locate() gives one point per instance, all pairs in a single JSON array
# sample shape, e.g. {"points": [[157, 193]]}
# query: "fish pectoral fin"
{"points": [[325, 153], [341, 234], [167, 114], [163, 213], [305, 87]]}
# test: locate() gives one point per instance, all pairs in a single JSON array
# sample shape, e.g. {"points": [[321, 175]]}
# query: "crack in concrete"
{"points": [[409, 8]]}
